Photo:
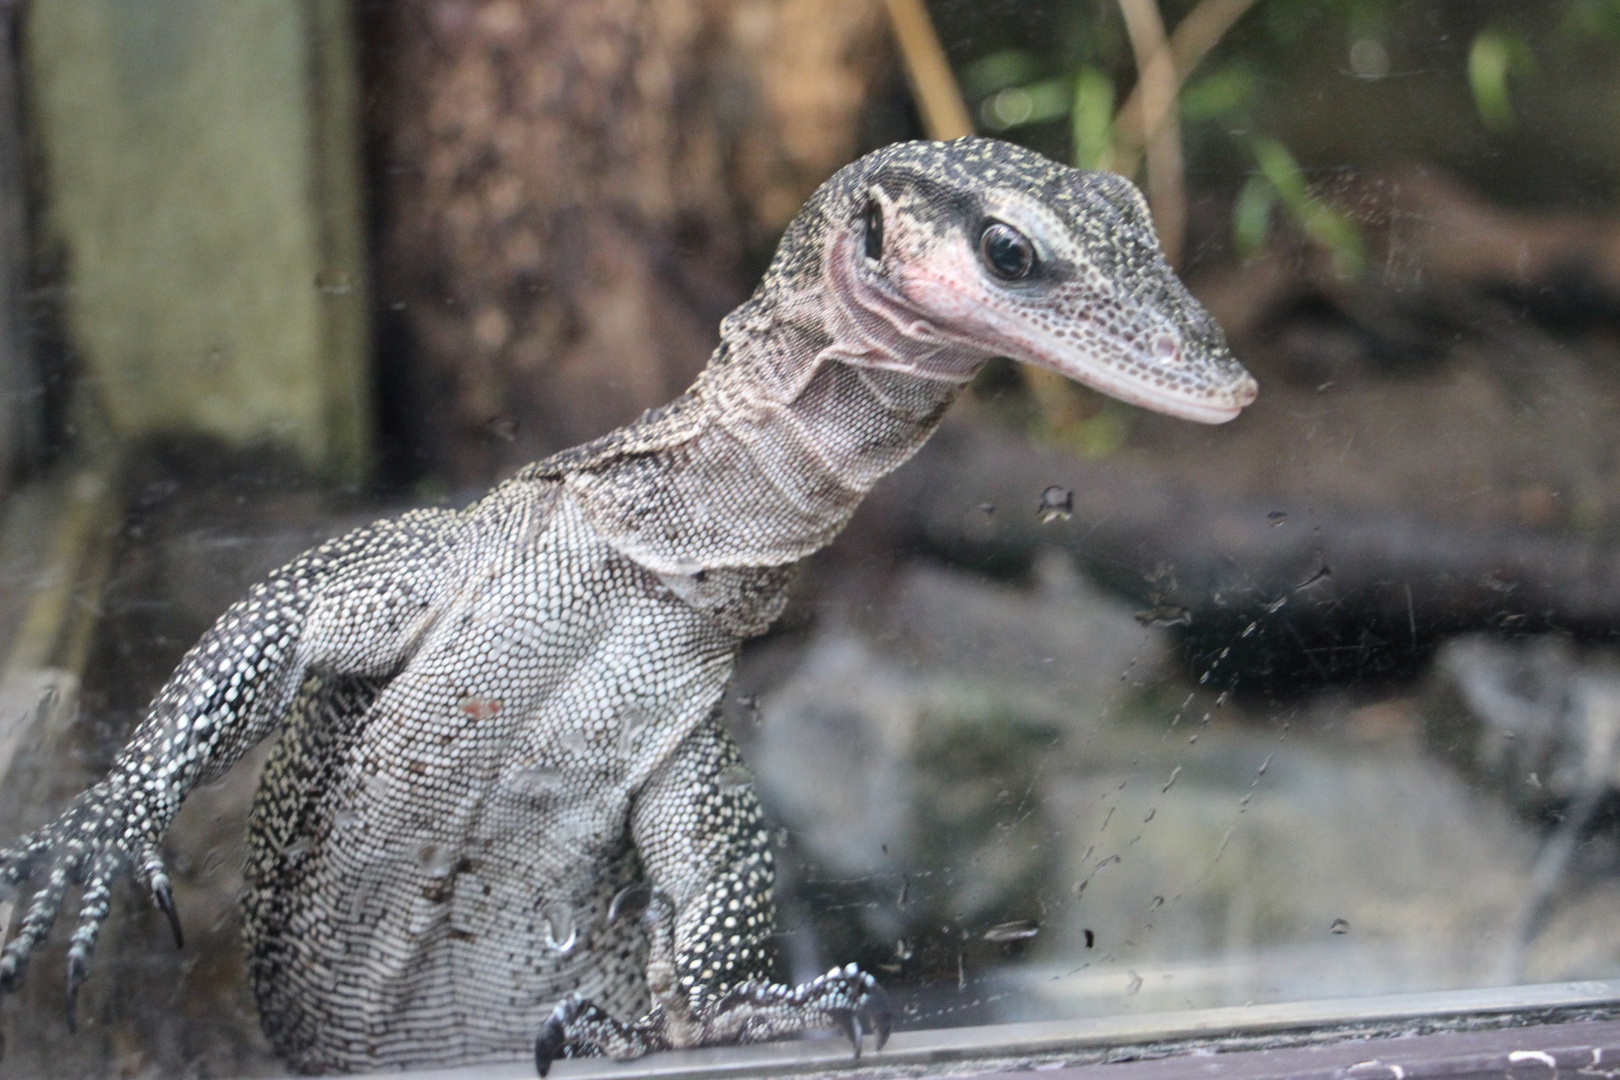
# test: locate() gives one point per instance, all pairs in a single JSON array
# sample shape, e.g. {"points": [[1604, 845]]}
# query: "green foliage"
{"points": [[1219, 94], [990, 74], [1231, 108], [1093, 117], [1320, 222], [1251, 215], [1492, 56], [1035, 103]]}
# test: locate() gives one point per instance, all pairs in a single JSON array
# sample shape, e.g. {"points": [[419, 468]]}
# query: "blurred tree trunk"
{"points": [[569, 190]]}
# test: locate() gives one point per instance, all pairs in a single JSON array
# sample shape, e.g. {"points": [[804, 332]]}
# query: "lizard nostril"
{"points": [[1166, 349]]}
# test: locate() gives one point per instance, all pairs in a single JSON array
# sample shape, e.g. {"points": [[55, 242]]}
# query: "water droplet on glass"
{"points": [[1165, 615], [212, 861], [1247, 630], [1276, 605], [1175, 772], [987, 509], [1134, 985], [345, 819], [903, 950], [1321, 575], [1339, 926], [1017, 930], [1277, 517], [573, 740], [735, 778], [1057, 504], [1264, 765], [1368, 60], [1156, 903], [561, 933], [534, 780], [297, 849], [1091, 939], [331, 281], [632, 722], [435, 858], [687, 568]]}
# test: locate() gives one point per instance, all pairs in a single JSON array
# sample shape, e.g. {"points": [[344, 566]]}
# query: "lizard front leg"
{"points": [[700, 833], [340, 607]]}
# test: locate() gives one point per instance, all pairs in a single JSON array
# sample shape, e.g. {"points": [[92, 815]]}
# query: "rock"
{"points": [[1537, 720], [907, 758]]}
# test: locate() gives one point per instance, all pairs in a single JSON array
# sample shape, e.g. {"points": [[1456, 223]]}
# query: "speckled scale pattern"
{"points": [[496, 723], [431, 859]]}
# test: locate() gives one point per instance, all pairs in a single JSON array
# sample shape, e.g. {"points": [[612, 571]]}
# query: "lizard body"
{"points": [[498, 728]]}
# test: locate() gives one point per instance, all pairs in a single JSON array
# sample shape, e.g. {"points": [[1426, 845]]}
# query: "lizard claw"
{"points": [[870, 1012], [549, 1044], [577, 1028], [879, 1011], [163, 896], [849, 1022], [77, 972]]}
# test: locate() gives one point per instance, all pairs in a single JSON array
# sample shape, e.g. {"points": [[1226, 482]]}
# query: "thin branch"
{"points": [[1195, 35], [1156, 78], [939, 99]]}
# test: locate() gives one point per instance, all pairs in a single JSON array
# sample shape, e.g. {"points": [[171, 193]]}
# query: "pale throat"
{"points": [[823, 384], [852, 378]]}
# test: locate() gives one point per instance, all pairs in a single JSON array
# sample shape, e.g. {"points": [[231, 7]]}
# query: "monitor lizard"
{"points": [[502, 802]]}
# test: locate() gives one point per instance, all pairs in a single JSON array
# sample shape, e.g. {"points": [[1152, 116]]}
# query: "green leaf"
{"points": [[1251, 216], [1278, 166], [999, 70], [1323, 225], [1218, 93], [1493, 56], [1020, 105], [1093, 116]]}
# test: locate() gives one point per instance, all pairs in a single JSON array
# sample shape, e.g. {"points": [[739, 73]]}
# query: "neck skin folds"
{"points": [[820, 387]]}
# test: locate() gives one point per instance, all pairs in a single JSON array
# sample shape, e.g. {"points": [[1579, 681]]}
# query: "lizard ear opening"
{"points": [[873, 223]]}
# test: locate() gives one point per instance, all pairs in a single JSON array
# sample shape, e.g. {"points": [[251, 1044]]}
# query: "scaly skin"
{"points": [[498, 725]]}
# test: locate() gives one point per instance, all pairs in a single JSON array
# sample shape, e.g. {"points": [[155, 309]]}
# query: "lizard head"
{"points": [[942, 255]]}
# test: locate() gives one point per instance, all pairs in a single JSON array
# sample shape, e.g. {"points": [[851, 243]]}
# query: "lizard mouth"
{"points": [[1162, 384]]}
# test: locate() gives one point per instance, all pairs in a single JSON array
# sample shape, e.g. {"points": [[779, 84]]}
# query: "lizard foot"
{"points": [[845, 999], [578, 1028], [91, 845]]}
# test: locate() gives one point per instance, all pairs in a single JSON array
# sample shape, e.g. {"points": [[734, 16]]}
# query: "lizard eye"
{"points": [[1007, 252], [874, 230]]}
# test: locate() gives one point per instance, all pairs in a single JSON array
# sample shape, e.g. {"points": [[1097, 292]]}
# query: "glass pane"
{"points": [[1088, 710]]}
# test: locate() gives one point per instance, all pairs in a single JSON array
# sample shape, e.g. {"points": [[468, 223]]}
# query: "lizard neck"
{"points": [[815, 393]]}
